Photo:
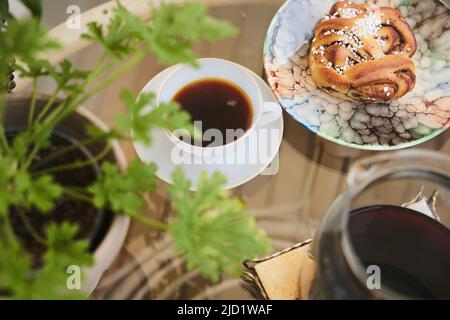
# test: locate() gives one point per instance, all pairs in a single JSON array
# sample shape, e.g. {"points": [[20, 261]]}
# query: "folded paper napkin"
{"points": [[286, 275]]}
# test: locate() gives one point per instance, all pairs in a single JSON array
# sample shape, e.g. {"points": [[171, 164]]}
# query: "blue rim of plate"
{"points": [[370, 147]]}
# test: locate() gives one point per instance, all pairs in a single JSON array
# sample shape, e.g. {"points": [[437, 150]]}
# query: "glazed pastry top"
{"points": [[363, 54]]}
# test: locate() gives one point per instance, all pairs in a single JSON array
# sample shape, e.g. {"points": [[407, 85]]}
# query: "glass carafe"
{"points": [[387, 236]]}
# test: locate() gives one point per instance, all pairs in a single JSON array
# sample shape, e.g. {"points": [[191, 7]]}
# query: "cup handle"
{"points": [[271, 112]]}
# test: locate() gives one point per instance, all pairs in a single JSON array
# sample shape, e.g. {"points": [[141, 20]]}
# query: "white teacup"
{"points": [[264, 112]]}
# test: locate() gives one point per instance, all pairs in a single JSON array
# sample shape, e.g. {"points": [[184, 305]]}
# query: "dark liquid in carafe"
{"points": [[411, 249], [218, 104]]}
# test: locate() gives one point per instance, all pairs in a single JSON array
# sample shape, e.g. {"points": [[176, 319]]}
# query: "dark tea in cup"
{"points": [[226, 99], [216, 104]]}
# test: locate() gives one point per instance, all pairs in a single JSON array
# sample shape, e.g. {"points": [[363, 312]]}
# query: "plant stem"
{"points": [[68, 149], [78, 194], [33, 103], [30, 228], [47, 123], [30, 158], [48, 105], [60, 113], [4, 145], [98, 69], [9, 233], [150, 222], [96, 72], [131, 62], [71, 192], [76, 165]]}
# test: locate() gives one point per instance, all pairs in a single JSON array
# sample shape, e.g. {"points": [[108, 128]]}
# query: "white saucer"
{"points": [[160, 151]]}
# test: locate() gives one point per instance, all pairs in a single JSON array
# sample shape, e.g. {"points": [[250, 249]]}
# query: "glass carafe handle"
{"points": [[365, 170], [401, 163]]}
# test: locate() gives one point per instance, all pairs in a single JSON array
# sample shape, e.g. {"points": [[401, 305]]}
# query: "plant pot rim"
{"points": [[111, 244]]}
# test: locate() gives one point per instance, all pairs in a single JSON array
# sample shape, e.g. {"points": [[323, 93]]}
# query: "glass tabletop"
{"points": [[288, 205]]}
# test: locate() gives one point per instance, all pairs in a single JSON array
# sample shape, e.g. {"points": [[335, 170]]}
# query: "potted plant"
{"points": [[66, 193]]}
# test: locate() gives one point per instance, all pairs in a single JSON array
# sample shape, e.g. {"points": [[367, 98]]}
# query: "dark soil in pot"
{"points": [[93, 223]]}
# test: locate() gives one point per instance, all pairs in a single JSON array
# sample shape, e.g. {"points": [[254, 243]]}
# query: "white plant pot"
{"points": [[114, 237]]}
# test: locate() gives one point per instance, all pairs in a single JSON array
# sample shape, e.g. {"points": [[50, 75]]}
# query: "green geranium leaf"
{"points": [[20, 145], [123, 191], [34, 68], [166, 35], [49, 281], [8, 196], [175, 29], [211, 228], [40, 192], [142, 121], [30, 39], [15, 265], [119, 40], [63, 248], [67, 78], [99, 134]]}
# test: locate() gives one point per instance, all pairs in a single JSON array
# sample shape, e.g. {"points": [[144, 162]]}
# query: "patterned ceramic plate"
{"points": [[415, 118]]}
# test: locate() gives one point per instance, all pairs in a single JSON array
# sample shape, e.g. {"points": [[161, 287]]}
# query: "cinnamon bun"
{"points": [[363, 54]]}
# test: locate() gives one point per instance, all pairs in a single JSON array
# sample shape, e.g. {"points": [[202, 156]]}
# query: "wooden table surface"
{"points": [[288, 205]]}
